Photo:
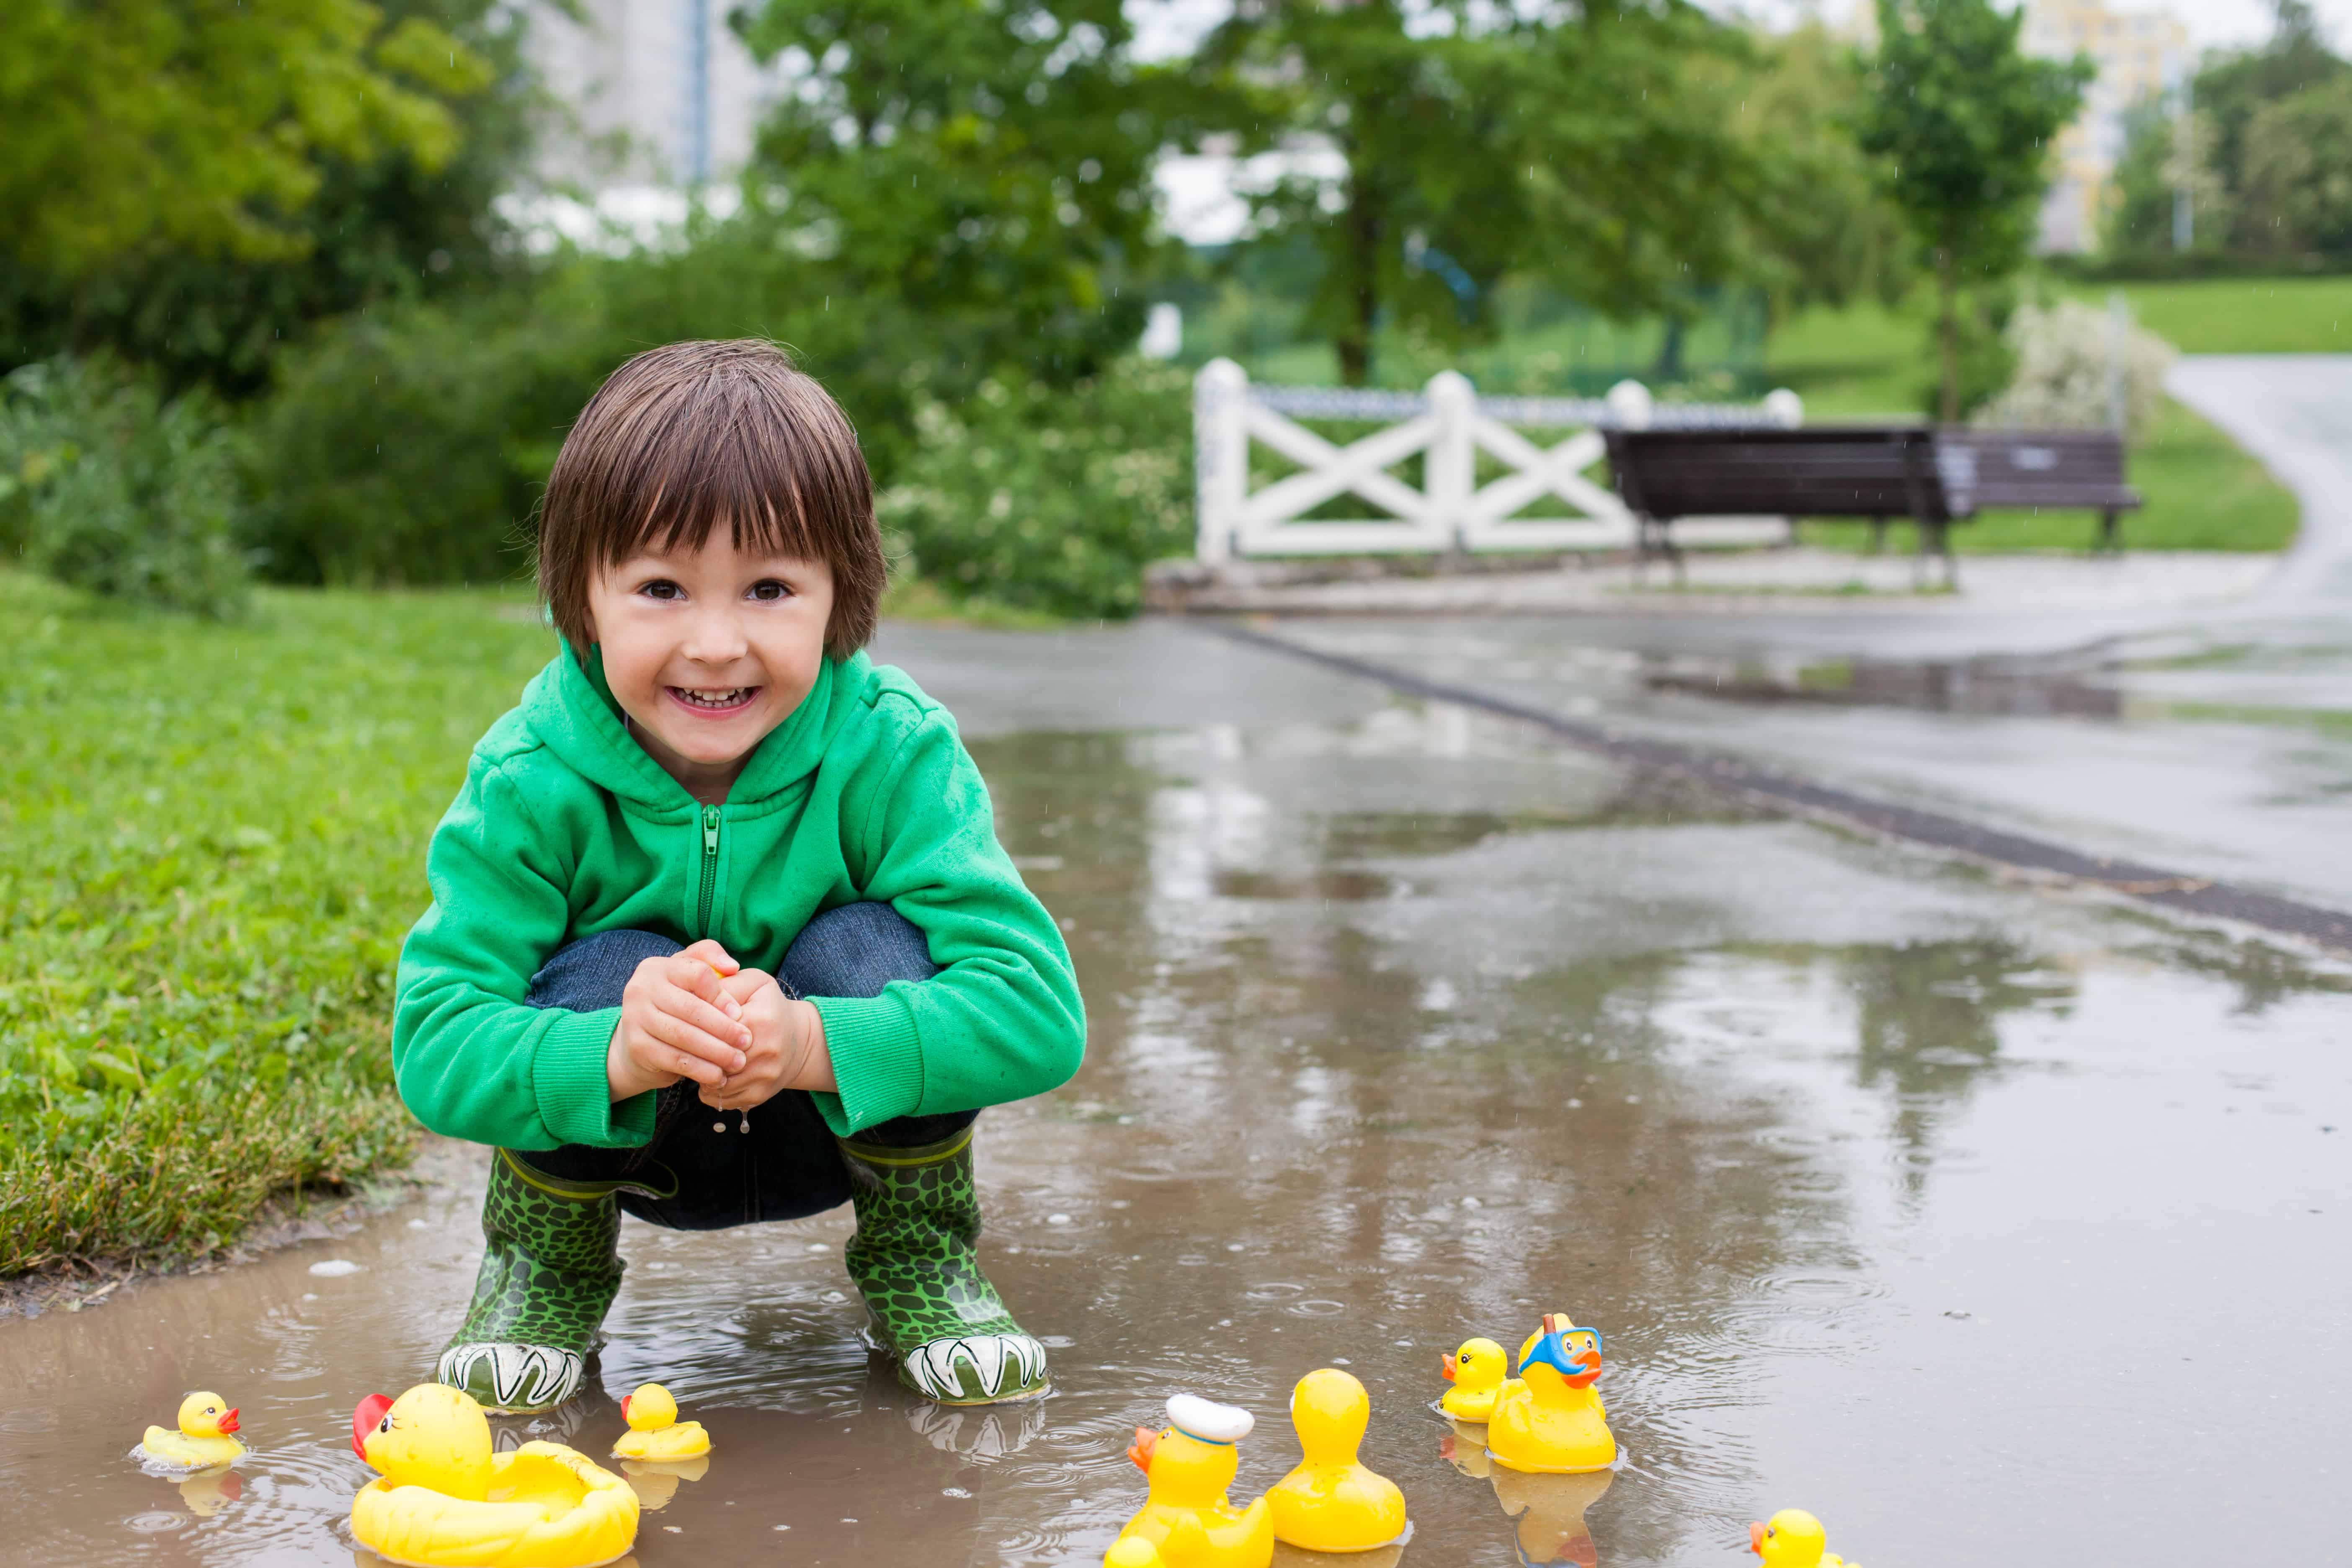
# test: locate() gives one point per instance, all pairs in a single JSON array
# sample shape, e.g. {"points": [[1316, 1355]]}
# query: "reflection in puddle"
{"points": [[2071, 686], [1400, 1028]]}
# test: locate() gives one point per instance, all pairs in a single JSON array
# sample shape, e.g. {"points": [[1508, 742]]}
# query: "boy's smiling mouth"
{"points": [[726, 700]]}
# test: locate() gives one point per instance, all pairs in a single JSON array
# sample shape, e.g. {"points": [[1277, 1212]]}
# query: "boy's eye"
{"points": [[769, 590], [662, 588]]}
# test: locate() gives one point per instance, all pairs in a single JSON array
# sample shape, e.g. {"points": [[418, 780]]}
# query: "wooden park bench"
{"points": [[1866, 471], [1934, 476], [2065, 470]]}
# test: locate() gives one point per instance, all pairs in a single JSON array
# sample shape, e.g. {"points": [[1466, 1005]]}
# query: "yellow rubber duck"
{"points": [[445, 1498], [1331, 1503], [1794, 1539], [1554, 1422], [1188, 1522], [203, 1440], [1548, 1512], [654, 1431], [1476, 1371]]}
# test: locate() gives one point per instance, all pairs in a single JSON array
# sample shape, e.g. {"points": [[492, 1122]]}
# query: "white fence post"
{"points": [[1221, 455], [1629, 404], [1448, 472]]}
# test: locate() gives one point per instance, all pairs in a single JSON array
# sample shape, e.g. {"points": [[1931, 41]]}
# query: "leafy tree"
{"points": [[2299, 171], [198, 123], [349, 221], [2236, 86], [1965, 118], [985, 166], [2164, 155], [1823, 231], [1472, 140]]}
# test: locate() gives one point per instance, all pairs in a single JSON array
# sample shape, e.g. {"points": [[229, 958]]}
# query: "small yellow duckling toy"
{"points": [[654, 1431], [1554, 1422], [1476, 1371], [1331, 1503], [445, 1498], [1794, 1539], [203, 1440], [1188, 1522]]}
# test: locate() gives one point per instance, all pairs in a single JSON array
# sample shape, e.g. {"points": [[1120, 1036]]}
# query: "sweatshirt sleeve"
{"points": [[471, 1060], [1002, 1020]]}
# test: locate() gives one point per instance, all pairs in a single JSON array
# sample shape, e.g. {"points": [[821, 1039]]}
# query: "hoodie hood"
{"points": [[570, 708]]}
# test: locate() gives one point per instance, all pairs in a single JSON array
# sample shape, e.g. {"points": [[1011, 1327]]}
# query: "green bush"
{"points": [[409, 447], [106, 486], [1050, 500]]}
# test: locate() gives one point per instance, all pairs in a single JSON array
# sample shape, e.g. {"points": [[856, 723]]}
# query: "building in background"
{"points": [[661, 94], [2141, 54]]}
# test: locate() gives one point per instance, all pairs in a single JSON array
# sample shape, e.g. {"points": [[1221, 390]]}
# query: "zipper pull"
{"points": [[710, 830]]}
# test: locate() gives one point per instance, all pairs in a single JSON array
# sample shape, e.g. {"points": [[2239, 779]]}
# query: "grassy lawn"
{"points": [[2202, 491], [211, 843], [2243, 315]]}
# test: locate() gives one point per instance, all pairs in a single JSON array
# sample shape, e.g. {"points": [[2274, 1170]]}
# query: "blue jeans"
{"points": [[700, 1170]]}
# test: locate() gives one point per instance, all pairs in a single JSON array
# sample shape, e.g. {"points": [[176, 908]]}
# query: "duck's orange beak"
{"points": [[364, 1419], [1588, 1370], [1146, 1442], [1447, 1366], [625, 1405], [1756, 1537], [228, 1422]]}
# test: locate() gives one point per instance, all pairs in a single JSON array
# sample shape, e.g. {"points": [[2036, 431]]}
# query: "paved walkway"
{"points": [[1799, 581], [2295, 412]]}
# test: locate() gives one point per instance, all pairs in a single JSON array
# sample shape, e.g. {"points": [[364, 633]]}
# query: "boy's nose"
{"points": [[715, 637]]}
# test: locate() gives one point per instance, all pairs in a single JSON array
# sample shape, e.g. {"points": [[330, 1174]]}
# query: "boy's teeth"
{"points": [[712, 698]]}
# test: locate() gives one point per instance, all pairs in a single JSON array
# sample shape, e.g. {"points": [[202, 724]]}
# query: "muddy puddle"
{"points": [[1978, 1222]]}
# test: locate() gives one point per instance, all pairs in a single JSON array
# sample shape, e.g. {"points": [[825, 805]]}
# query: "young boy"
{"points": [[720, 930]]}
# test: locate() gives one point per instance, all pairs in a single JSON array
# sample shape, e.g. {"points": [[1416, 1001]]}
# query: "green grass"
{"points": [[2202, 491], [211, 843], [2243, 315]]}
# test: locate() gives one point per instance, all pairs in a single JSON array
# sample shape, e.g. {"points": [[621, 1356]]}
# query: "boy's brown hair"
{"points": [[686, 436]]}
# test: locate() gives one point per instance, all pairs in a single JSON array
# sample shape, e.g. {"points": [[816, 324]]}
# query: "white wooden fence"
{"points": [[1451, 425]]}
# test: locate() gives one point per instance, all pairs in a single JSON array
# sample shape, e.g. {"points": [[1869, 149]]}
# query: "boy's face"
{"points": [[708, 649]]}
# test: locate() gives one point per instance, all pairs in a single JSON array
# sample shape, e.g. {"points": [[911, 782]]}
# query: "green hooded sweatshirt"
{"points": [[566, 828]]}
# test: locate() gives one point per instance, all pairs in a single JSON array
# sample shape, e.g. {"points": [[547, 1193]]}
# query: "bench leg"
{"points": [[1877, 535], [2111, 538], [1934, 540]]}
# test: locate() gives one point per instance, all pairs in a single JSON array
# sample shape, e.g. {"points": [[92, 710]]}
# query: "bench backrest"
{"points": [[1823, 472], [2033, 468]]}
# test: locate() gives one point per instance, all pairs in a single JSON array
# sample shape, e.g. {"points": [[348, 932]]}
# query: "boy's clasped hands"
{"points": [[699, 1015]]}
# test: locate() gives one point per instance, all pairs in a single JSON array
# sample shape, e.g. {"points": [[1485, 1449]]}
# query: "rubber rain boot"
{"points": [[551, 1267], [914, 1260]]}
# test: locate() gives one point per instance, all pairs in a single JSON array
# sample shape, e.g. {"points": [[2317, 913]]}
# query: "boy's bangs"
{"points": [[682, 489]]}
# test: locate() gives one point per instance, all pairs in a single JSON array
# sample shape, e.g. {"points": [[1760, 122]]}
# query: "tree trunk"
{"points": [[1947, 294], [1365, 229]]}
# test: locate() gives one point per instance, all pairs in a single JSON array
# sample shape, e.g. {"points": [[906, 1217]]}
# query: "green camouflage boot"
{"points": [[549, 1270], [928, 1302]]}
